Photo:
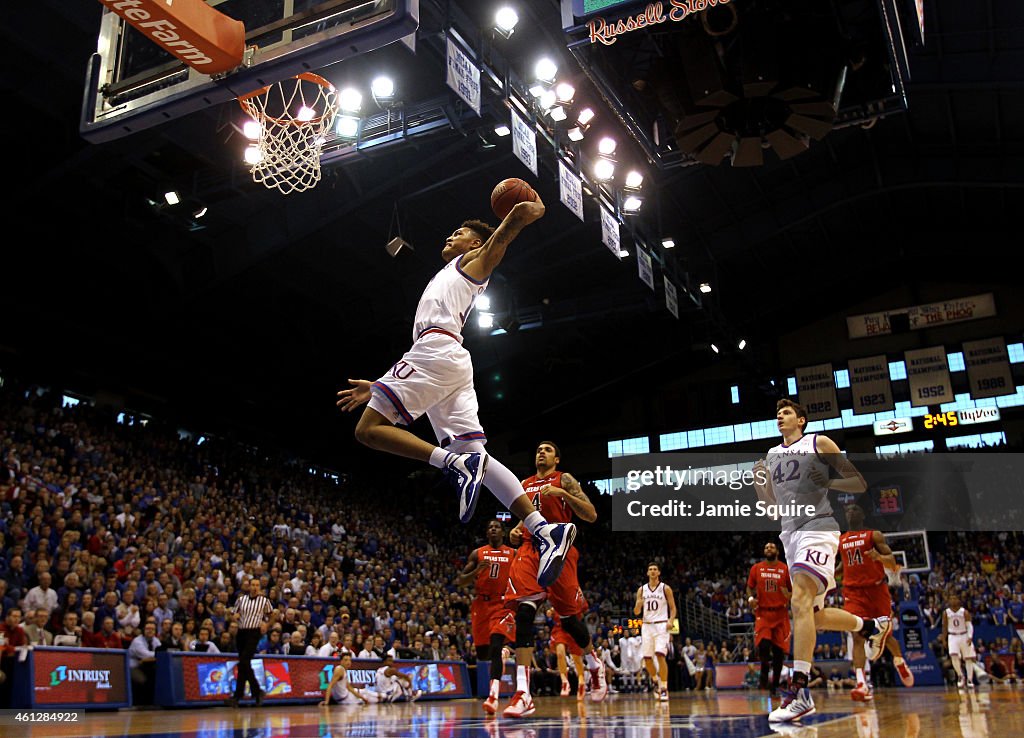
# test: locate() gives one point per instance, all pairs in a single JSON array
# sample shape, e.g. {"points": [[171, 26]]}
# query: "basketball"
{"points": [[507, 193]]}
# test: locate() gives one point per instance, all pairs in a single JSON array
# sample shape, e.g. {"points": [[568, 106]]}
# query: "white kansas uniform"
{"points": [[435, 376], [959, 642], [341, 694], [810, 541], [654, 631]]}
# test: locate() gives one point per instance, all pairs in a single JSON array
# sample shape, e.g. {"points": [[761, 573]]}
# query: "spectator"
{"points": [[42, 596], [142, 664], [34, 627], [175, 641], [108, 637], [203, 644], [12, 637], [70, 633]]}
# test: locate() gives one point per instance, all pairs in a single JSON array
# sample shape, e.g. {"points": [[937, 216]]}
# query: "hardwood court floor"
{"points": [[905, 713]]}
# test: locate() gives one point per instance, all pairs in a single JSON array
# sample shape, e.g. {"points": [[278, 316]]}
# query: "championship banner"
{"points": [[463, 76], [988, 368], [570, 189], [671, 298], [609, 230], [923, 316], [645, 267], [870, 387], [816, 386], [928, 376], [524, 142]]}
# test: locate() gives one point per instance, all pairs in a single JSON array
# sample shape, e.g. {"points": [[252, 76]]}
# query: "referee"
{"points": [[251, 610]]}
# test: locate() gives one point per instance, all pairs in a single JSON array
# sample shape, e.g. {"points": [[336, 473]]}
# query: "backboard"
{"points": [[133, 84]]}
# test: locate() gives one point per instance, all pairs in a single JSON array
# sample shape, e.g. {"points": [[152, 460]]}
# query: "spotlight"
{"points": [[632, 204], [668, 243], [714, 348], [485, 320], [586, 115], [565, 92], [742, 344], [705, 287], [305, 114], [547, 100], [576, 134], [604, 169], [171, 198], [606, 145], [350, 100], [634, 180], [505, 21], [537, 90], [557, 113], [253, 155], [623, 253], [251, 130], [502, 130], [383, 88], [347, 126], [483, 303], [200, 212], [545, 70]]}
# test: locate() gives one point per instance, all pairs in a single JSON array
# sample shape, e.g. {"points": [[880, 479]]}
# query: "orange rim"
{"points": [[260, 116]]}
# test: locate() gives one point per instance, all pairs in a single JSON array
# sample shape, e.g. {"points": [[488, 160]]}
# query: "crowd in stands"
{"points": [[129, 536]]}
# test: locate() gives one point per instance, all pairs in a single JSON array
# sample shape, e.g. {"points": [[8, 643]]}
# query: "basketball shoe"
{"points": [[795, 705], [466, 472], [663, 695], [876, 632], [906, 675], [520, 706], [553, 541], [862, 693], [565, 689], [491, 704]]}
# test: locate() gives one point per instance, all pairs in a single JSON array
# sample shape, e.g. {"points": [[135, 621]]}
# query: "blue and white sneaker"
{"points": [[553, 541], [796, 705], [466, 474]]}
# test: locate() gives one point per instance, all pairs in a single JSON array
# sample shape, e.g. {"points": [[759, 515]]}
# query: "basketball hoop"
{"points": [[293, 116]]}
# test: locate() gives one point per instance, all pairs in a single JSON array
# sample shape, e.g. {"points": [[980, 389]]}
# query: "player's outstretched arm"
{"points": [[358, 394], [469, 570], [339, 672], [852, 480], [480, 263]]}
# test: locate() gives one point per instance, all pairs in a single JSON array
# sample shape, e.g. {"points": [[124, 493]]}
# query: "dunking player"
{"points": [[565, 647], [768, 595], [492, 623], [796, 477], [558, 496], [435, 377], [864, 556], [958, 633], [658, 605]]}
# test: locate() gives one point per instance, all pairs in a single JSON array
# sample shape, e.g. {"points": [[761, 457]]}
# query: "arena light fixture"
{"points": [[251, 129], [200, 212], [623, 253], [538, 89], [607, 145], [545, 70], [558, 113], [505, 21], [502, 130], [604, 169], [634, 180], [714, 348], [547, 100], [350, 100], [668, 243], [383, 88], [632, 204], [705, 287], [172, 197], [586, 115], [253, 155], [305, 114], [485, 320], [347, 126], [483, 303], [565, 92], [742, 344], [576, 134]]}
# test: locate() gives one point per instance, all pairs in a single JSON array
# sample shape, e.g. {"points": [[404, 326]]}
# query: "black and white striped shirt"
{"points": [[251, 611]]}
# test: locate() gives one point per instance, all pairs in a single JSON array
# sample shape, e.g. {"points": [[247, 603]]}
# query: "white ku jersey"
{"points": [[956, 622], [385, 683], [447, 300], [655, 603], [790, 468]]}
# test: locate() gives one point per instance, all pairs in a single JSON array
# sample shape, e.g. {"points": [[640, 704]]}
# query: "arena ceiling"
{"points": [[257, 318]]}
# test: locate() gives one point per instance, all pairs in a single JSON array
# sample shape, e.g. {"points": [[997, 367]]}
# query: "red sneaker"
{"points": [[565, 689], [491, 704], [906, 675], [861, 693]]}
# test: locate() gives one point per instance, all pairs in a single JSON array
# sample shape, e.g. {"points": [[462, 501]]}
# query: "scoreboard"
{"points": [[933, 422]]}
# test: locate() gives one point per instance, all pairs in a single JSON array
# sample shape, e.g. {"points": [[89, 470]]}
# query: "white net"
{"points": [[293, 116]]}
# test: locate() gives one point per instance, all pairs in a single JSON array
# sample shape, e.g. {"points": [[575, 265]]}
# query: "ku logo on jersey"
{"points": [[402, 370], [819, 558]]}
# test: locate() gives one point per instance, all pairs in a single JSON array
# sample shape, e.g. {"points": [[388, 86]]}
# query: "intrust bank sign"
{"points": [[606, 32]]}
